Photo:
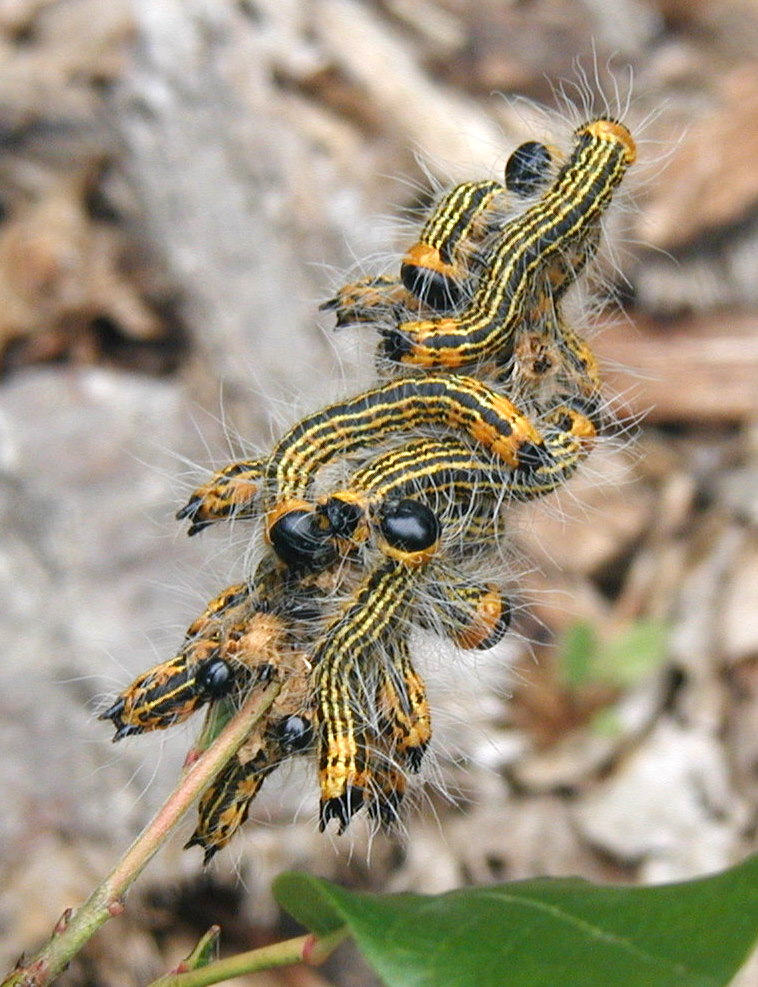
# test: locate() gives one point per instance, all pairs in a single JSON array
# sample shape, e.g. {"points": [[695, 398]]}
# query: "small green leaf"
{"points": [[205, 951], [217, 716], [638, 651], [635, 652], [546, 932], [577, 652]]}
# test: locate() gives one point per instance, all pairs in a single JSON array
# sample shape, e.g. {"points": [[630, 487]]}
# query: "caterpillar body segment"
{"points": [[232, 492], [372, 300], [450, 254], [454, 402], [165, 695], [542, 244], [474, 615], [437, 267], [549, 358], [569, 433], [449, 401], [434, 271], [402, 707], [401, 737], [387, 501], [343, 662], [225, 805]]}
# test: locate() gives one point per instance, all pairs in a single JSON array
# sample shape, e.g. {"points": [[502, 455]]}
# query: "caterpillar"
{"points": [[551, 240], [380, 604], [288, 731], [173, 690], [463, 403], [232, 492]]}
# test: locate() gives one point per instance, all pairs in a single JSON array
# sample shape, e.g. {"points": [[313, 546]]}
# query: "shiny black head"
{"points": [[409, 526], [293, 733], [528, 169], [302, 542], [215, 678]]}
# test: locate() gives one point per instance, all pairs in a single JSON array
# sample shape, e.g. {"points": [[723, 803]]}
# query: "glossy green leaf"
{"points": [[544, 933]]}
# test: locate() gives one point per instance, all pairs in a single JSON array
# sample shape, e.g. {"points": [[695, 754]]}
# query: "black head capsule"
{"points": [[437, 290], [215, 678], [342, 516], [302, 541], [394, 345], [527, 170], [293, 734], [409, 526]]}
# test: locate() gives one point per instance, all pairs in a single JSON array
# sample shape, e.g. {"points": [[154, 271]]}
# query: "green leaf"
{"points": [[635, 652], [217, 716], [628, 658], [577, 651], [205, 951], [545, 932]]}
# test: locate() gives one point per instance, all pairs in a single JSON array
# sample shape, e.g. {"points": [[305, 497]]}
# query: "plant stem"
{"points": [[107, 900], [305, 949]]}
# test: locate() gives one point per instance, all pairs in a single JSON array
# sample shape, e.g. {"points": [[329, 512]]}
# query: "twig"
{"points": [[107, 900], [305, 949]]}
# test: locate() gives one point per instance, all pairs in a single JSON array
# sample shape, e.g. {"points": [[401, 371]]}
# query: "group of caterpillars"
{"points": [[376, 508]]}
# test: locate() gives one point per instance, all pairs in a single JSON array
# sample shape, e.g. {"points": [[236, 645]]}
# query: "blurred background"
{"points": [[181, 184]]}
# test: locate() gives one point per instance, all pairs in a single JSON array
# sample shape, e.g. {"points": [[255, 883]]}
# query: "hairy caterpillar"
{"points": [[550, 241]]}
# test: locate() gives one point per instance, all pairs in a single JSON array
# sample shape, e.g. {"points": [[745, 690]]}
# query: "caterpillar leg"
{"points": [[231, 492]]}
